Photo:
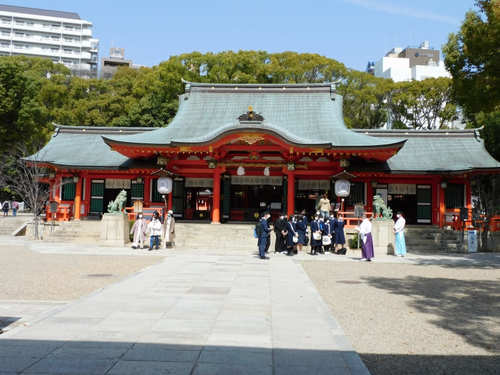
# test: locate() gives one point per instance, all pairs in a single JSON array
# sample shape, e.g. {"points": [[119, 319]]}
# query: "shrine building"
{"points": [[234, 150]]}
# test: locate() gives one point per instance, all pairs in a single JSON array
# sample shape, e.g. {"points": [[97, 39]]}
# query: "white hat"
{"points": [[170, 212]]}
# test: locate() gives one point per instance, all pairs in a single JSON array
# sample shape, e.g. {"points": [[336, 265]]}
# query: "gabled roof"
{"points": [[301, 114], [436, 151]]}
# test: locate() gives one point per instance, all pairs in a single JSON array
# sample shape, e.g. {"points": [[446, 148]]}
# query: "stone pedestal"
{"points": [[383, 237], [115, 229]]}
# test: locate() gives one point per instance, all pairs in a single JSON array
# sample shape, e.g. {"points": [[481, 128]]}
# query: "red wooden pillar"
{"points": [[441, 206], [147, 191], [216, 197], [369, 196], [435, 202], [468, 199], [290, 204], [78, 199], [88, 193]]}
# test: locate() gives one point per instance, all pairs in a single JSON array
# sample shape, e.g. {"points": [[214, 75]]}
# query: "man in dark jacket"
{"points": [[279, 228], [264, 235]]}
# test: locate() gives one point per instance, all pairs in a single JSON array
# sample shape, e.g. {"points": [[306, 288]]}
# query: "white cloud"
{"points": [[399, 10]]}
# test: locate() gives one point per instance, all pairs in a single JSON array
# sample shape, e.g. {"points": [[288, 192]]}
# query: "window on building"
{"points": [[68, 189], [454, 196], [155, 196], [357, 194]]}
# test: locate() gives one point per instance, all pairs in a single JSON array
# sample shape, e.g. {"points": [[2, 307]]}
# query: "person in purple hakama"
{"points": [[365, 230]]}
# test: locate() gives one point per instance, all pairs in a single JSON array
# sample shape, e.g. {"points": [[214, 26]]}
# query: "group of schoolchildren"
{"points": [[292, 234]]}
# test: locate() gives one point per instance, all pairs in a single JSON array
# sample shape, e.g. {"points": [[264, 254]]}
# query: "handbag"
{"points": [[295, 238], [317, 236], [326, 240]]}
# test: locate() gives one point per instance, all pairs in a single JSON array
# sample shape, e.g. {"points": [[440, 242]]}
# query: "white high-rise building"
{"points": [[61, 36], [410, 64]]}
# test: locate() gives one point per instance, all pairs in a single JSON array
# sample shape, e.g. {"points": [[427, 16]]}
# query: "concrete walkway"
{"points": [[191, 314]]}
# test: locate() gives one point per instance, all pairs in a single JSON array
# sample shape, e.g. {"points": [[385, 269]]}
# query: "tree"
{"points": [[472, 56], [24, 178], [425, 104], [24, 113]]}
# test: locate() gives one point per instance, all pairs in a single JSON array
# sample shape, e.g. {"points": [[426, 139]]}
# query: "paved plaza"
{"points": [[189, 314]]}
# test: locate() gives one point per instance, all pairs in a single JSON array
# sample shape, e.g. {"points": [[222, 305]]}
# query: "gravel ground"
{"points": [[416, 319], [28, 275]]}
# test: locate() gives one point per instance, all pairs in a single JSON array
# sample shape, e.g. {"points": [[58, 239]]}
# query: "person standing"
{"points": [[315, 235], [324, 206], [264, 235], [292, 237], [5, 208], [327, 236], [399, 228], [365, 230], [333, 223], [15, 206], [169, 230], [339, 234], [301, 227], [139, 231], [154, 229], [279, 228]]}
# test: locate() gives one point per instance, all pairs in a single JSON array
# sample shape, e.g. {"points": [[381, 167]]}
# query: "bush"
{"points": [[353, 242]]}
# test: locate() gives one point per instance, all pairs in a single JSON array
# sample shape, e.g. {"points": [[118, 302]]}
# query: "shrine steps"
{"points": [[430, 239], [85, 232], [10, 224]]}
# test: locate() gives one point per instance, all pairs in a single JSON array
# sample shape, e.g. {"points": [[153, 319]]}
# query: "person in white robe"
{"points": [[139, 231], [169, 230], [365, 231], [399, 228]]}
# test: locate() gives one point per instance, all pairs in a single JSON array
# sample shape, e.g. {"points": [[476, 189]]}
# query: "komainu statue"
{"points": [[381, 211], [116, 206]]}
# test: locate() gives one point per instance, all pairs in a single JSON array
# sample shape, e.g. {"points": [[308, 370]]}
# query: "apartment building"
{"points": [[411, 63], [61, 36]]}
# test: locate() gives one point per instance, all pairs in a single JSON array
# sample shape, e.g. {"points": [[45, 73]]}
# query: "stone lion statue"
{"points": [[381, 211], [116, 206]]}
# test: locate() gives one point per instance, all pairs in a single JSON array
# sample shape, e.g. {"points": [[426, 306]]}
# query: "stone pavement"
{"points": [[195, 314]]}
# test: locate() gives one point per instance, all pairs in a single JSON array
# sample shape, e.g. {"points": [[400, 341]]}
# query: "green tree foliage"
{"points": [[425, 104], [30, 88], [473, 58]]}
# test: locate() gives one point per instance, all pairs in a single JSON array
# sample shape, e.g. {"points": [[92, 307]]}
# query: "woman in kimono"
{"points": [[339, 233], [169, 230], [316, 235], [301, 228], [292, 237], [139, 231], [399, 228], [365, 230]]}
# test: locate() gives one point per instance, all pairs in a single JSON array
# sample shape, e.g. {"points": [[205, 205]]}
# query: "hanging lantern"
{"points": [[240, 171], [266, 171], [342, 188], [164, 185]]}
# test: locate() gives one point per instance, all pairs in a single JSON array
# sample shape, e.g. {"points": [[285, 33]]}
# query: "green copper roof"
{"points": [[83, 147], [437, 151], [424, 151], [301, 114]]}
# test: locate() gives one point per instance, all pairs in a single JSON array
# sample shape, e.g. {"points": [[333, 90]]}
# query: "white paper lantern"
{"points": [[164, 185], [266, 171], [342, 188], [240, 171]]}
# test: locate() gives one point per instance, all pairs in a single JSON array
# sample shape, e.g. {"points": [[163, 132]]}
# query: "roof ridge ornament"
{"points": [[250, 116]]}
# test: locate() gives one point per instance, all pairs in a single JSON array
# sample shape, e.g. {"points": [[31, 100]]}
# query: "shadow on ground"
{"points": [[6, 321], [386, 364], [469, 308], [124, 358]]}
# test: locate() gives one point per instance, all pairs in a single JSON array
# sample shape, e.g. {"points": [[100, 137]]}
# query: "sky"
{"points": [[350, 31]]}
